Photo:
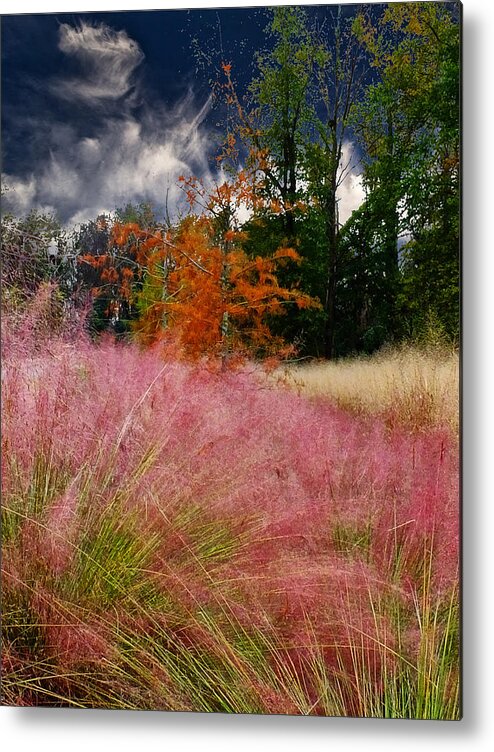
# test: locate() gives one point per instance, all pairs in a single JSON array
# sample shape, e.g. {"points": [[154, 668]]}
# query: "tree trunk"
{"points": [[391, 230], [332, 250], [225, 225], [289, 183]]}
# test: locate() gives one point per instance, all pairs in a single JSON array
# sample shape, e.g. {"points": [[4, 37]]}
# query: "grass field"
{"points": [[419, 388], [179, 539]]}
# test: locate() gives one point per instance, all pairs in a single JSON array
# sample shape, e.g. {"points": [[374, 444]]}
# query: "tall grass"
{"points": [[184, 540], [417, 388]]}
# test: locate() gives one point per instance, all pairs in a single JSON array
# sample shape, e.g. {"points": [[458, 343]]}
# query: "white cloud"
{"points": [[126, 162], [107, 60], [125, 159], [20, 194], [60, 181], [89, 151], [351, 193]]}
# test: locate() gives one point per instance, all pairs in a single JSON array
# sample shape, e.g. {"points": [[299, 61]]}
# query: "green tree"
{"points": [[33, 251], [408, 125], [96, 255], [340, 74], [301, 101], [140, 214], [109, 272], [275, 119]]}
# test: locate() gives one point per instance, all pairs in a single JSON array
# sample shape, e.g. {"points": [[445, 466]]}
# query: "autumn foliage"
{"points": [[197, 284]]}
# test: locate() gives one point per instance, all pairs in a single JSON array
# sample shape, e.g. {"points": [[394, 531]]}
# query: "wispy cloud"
{"points": [[106, 58], [126, 161], [126, 157]]}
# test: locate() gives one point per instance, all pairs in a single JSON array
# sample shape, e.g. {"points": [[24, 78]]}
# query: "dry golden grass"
{"points": [[407, 386]]}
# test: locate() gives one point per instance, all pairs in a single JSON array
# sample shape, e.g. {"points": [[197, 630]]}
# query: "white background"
{"points": [[92, 731]]}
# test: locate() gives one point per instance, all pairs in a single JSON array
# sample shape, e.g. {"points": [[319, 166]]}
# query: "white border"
{"points": [[53, 730]]}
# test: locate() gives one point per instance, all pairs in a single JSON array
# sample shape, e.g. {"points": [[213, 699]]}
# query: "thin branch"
{"points": [[168, 244]]}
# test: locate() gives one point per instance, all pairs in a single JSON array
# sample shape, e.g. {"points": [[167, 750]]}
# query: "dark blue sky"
{"points": [[103, 108], [31, 57]]}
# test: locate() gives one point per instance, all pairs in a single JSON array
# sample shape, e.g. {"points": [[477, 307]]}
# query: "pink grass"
{"points": [[327, 514]]}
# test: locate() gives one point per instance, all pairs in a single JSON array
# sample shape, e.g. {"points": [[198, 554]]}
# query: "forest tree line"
{"points": [[260, 262]]}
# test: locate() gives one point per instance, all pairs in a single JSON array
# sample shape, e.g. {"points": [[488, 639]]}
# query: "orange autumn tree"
{"points": [[199, 285]]}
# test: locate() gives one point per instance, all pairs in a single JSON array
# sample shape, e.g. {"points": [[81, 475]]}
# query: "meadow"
{"points": [[417, 387], [181, 538]]}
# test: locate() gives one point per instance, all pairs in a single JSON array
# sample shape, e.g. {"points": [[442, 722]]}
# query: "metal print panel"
{"points": [[230, 298]]}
